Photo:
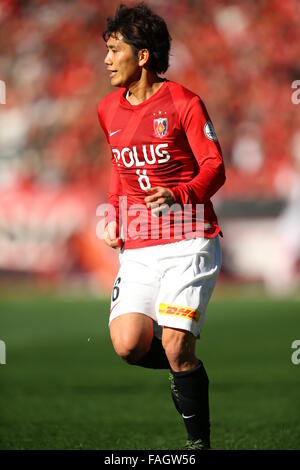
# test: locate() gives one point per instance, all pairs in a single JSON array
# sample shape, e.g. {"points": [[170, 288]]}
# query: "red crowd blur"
{"points": [[240, 57]]}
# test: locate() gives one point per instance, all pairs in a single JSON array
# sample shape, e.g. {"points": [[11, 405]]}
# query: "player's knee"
{"points": [[131, 341], [176, 357], [130, 356], [178, 350], [128, 349]]}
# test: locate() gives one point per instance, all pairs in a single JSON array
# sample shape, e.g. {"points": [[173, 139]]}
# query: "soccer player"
{"points": [[166, 163]]}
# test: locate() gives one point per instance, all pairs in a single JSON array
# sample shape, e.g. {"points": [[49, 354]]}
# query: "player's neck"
{"points": [[141, 90]]}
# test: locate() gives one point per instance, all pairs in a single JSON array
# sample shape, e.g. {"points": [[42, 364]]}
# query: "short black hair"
{"points": [[142, 29]]}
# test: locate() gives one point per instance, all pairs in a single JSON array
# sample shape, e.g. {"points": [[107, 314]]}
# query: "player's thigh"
{"points": [[131, 333], [188, 284], [135, 288]]}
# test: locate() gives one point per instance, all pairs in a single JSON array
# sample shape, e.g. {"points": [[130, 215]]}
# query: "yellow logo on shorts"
{"points": [[177, 311]]}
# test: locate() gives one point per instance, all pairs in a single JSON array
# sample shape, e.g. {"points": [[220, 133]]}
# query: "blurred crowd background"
{"points": [[241, 57]]}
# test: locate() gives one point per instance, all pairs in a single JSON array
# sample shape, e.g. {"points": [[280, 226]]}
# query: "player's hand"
{"points": [[159, 199], [110, 236]]}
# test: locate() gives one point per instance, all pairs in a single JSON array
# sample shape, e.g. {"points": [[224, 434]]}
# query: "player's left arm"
{"points": [[158, 196], [207, 151], [205, 146]]}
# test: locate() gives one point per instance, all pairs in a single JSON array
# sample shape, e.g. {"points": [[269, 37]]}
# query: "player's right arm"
{"points": [[206, 149], [110, 236], [112, 230]]}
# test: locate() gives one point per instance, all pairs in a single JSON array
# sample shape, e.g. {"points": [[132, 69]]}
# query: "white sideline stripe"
{"points": [[2, 92], [2, 352]]}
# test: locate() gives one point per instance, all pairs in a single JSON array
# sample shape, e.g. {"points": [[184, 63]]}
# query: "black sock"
{"points": [[192, 399], [156, 357]]}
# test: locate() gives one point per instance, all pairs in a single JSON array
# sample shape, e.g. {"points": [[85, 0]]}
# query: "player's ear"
{"points": [[143, 57]]}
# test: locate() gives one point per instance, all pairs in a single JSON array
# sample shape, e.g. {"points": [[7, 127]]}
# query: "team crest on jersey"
{"points": [[160, 127]]}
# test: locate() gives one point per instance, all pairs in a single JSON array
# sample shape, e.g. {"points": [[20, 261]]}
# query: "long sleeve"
{"points": [[206, 149], [115, 190], [115, 186]]}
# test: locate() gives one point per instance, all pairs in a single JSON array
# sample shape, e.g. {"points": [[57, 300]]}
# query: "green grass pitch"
{"points": [[64, 388]]}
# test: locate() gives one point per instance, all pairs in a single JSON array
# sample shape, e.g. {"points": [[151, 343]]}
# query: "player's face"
{"points": [[121, 62]]}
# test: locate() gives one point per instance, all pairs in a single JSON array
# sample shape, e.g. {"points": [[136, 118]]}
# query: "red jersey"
{"points": [[169, 141]]}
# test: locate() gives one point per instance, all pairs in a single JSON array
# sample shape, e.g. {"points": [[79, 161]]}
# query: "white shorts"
{"points": [[170, 283]]}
